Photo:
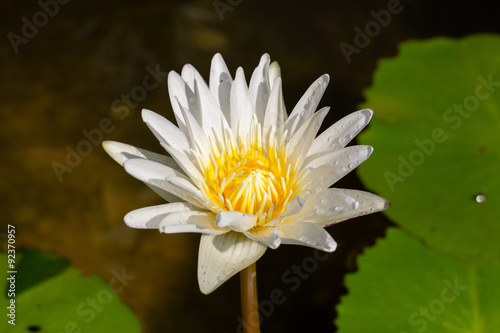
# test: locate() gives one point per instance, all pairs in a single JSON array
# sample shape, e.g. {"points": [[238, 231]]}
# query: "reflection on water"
{"points": [[83, 77]]}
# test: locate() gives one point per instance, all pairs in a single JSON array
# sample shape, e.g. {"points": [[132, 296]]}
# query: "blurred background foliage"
{"points": [[68, 77]]}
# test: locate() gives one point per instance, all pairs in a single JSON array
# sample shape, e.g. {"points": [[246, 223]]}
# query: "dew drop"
{"points": [[351, 165], [480, 198], [359, 127], [191, 100], [341, 139], [310, 99], [338, 209], [320, 211], [316, 207], [324, 201], [331, 138], [302, 113]]}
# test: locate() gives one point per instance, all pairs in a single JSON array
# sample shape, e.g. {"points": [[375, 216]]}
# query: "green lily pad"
{"points": [[436, 133], [51, 296], [404, 287]]}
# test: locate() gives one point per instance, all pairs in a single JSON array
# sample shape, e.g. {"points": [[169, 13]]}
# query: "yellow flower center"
{"points": [[249, 178]]}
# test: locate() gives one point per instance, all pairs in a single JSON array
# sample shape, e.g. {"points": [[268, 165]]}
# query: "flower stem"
{"points": [[249, 303]]}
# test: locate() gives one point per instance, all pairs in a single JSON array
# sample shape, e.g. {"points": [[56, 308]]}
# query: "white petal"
{"points": [[329, 202], [369, 203], [307, 105], [340, 134], [292, 208], [212, 120], [274, 73], [197, 137], [190, 221], [183, 188], [165, 131], [179, 93], [222, 256], [242, 109], [150, 217], [220, 84], [307, 234], [267, 236], [155, 175], [183, 162], [274, 112], [237, 221], [259, 87], [121, 152], [343, 161], [187, 74], [314, 180], [301, 141]]}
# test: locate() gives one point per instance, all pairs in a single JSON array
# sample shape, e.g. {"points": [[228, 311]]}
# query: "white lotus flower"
{"points": [[242, 172]]}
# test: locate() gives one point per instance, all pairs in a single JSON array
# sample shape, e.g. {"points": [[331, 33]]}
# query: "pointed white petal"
{"points": [[165, 131], [369, 203], [314, 180], [307, 105], [307, 234], [274, 112], [301, 140], [267, 236], [197, 137], [343, 161], [222, 256], [212, 120], [183, 188], [340, 134], [155, 175], [292, 208], [259, 87], [179, 94], [329, 202], [183, 162], [121, 152], [187, 74], [190, 221], [242, 109], [237, 221], [150, 217], [220, 84], [274, 73]]}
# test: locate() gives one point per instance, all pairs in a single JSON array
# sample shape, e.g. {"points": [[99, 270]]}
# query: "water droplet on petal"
{"points": [[338, 209], [191, 100], [342, 140], [302, 113], [320, 211], [316, 206], [331, 138], [351, 165], [324, 201], [480, 198]]}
